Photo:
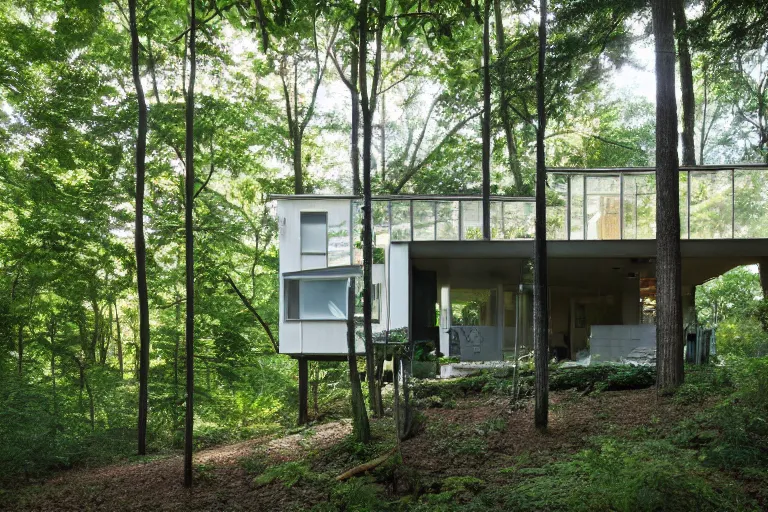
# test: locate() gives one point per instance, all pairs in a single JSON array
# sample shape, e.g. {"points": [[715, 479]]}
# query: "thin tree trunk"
{"points": [[189, 246], [141, 249], [360, 426], [368, 107], [704, 106], [506, 121], [119, 342], [298, 177], [486, 120], [686, 83], [669, 311], [355, 134], [176, 346], [20, 338], [541, 284], [383, 135]]}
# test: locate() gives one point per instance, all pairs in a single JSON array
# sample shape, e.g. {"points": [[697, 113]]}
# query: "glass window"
{"points": [[375, 301], [473, 307], [316, 299], [314, 232]]}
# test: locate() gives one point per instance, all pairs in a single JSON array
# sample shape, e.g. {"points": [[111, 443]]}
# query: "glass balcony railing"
{"points": [[598, 204]]}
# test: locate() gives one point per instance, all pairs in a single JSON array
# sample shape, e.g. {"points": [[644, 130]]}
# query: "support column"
{"points": [[303, 387], [763, 266]]}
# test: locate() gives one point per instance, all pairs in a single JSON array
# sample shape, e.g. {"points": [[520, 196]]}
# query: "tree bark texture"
{"points": [[686, 83], [368, 104], [189, 193], [355, 133], [506, 121], [360, 426], [669, 309], [303, 390], [540, 278], [140, 243], [486, 120]]}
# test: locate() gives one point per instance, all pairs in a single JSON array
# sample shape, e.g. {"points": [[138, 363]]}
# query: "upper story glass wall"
{"points": [[587, 205]]}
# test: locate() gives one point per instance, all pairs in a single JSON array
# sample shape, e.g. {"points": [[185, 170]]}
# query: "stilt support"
{"points": [[303, 387]]}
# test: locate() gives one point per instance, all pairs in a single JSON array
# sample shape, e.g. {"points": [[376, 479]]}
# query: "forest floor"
{"points": [[473, 454]]}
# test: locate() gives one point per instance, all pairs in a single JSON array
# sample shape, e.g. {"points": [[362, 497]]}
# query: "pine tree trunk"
{"points": [[540, 284], [360, 426], [686, 84], [140, 243], [189, 194], [298, 176], [669, 310], [486, 120]]}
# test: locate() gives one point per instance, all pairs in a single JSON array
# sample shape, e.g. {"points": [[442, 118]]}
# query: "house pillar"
{"points": [[303, 390]]}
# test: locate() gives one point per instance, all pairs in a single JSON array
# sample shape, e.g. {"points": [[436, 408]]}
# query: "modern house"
{"points": [[434, 274]]}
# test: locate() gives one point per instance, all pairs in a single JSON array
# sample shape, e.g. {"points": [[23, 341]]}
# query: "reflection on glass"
{"points": [[577, 207], [603, 208], [381, 224], [684, 205], [338, 244], [447, 220], [357, 230], [323, 299], [519, 218], [711, 208], [401, 221], [473, 307], [497, 221], [471, 220], [751, 201], [639, 206], [423, 220]]}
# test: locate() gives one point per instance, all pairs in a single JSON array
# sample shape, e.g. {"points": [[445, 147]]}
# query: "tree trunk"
{"points": [[176, 346], [119, 342], [486, 120], [141, 249], [669, 310], [506, 121], [189, 192], [686, 83], [360, 426], [21, 349], [368, 107], [541, 285], [383, 135], [298, 177], [355, 134]]}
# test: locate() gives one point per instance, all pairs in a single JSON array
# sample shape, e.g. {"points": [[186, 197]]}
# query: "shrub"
{"points": [[622, 476]]}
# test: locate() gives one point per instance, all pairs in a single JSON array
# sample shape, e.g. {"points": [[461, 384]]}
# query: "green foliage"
{"points": [[287, 473], [614, 475]]}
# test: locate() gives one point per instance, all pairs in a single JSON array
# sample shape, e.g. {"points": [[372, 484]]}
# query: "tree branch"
{"points": [[253, 311]]}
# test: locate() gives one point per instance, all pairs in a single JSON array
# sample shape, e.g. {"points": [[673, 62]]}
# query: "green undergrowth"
{"points": [[601, 377]]}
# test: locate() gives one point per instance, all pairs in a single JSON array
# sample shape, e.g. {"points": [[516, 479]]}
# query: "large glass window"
{"points": [[314, 232], [473, 307], [316, 299]]}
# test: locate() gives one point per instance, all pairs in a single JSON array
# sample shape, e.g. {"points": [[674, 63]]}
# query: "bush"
{"points": [[622, 476]]}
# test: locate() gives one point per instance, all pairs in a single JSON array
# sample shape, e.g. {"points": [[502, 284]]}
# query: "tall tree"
{"points": [[360, 426], [486, 120], [189, 198], [368, 106], [540, 279], [669, 309], [686, 83], [140, 244]]}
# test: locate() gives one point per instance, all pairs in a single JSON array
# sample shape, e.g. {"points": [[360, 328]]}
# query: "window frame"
{"points": [[301, 238], [298, 281]]}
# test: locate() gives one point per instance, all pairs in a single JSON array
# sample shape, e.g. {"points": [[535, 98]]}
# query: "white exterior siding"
{"points": [[399, 285]]}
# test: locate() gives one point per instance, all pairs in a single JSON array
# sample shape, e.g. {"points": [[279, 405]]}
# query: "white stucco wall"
{"points": [[399, 285]]}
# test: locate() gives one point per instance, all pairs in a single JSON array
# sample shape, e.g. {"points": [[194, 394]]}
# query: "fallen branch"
{"points": [[364, 468]]}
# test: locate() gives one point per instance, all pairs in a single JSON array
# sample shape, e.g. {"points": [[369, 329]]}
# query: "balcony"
{"points": [[716, 202]]}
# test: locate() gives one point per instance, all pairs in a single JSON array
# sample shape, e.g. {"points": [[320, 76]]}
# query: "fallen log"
{"points": [[363, 468]]}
